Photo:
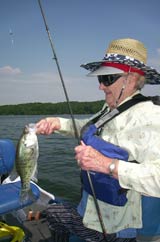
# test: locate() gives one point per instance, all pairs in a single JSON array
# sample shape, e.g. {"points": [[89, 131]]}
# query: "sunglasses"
{"points": [[108, 80]]}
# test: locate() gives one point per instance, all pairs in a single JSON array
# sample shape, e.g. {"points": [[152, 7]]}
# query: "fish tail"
{"points": [[27, 195]]}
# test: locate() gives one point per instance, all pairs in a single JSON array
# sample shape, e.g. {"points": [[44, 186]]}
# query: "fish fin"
{"points": [[27, 195], [35, 174], [13, 176]]}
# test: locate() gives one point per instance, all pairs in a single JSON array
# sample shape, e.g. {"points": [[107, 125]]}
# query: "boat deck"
{"points": [[37, 230]]}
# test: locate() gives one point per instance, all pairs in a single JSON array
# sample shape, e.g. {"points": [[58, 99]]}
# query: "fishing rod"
{"points": [[73, 120]]}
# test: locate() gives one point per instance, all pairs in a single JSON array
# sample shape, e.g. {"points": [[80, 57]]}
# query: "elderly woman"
{"points": [[121, 146]]}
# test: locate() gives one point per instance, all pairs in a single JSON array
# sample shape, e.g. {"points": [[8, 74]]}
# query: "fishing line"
{"points": [[73, 120]]}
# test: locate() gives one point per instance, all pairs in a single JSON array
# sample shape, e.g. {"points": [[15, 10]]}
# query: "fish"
{"points": [[27, 153]]}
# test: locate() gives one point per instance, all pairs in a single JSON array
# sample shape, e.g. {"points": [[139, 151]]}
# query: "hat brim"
{"points": [[151, 75], [105, 70]]}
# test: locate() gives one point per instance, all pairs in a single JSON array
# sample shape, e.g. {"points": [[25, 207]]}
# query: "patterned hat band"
{"points": [[124, 67], [152, 76]]}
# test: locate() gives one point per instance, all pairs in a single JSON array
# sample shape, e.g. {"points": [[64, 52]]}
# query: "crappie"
{"points": [[27, 153]]}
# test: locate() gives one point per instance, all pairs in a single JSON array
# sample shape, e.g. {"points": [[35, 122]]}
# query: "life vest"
{"points": [[107, 188], [150, 216]]}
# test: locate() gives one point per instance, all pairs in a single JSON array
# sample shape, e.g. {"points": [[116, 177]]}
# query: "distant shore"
{"points": [[51, 108]]}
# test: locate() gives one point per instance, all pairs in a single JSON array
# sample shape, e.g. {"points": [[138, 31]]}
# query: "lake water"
{"points": [[58, 172]]}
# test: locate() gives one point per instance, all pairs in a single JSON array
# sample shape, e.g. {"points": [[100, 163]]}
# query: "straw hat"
{"points": [[124, 55]]}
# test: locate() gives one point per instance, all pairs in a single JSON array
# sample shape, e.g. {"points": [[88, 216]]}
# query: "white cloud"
{"points": [[9, 71]]}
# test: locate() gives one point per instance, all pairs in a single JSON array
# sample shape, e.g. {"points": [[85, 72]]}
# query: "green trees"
{"points": [[51, 108]]}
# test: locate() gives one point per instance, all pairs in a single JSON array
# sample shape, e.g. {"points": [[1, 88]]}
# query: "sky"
{"points": [[80, 31]]}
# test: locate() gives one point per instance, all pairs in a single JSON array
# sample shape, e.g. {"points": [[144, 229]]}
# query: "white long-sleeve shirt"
{"points": [[138, 131]]}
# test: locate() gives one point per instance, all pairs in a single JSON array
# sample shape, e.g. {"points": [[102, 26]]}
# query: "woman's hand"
{"points": [[48, 125], [89, 158]]}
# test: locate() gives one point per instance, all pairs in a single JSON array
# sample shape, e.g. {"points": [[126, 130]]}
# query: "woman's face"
{"points": [[113, 91]]}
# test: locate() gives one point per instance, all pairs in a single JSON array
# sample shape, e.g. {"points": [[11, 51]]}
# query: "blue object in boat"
{"points": [[10, 200], [7, 156]]}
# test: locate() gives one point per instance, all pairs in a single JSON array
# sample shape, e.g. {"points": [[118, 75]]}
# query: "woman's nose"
{"points": [[102, 86]]}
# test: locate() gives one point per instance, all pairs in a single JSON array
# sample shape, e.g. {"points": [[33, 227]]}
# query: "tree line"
{"points": [[51, 108]]}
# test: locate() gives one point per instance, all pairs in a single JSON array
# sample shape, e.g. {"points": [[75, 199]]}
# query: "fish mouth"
{"points": [[30, 128]]}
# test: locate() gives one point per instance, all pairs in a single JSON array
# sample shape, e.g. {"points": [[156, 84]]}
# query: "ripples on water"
{"points": [[58, 172]]}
